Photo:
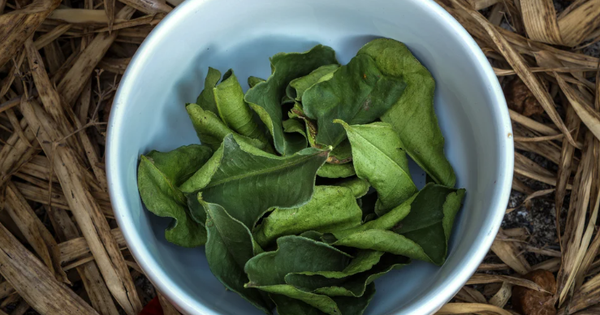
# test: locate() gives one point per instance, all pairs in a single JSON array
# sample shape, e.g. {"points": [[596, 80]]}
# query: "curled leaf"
{"points": [[358, 93], [422, 234], [385, 222], [323, 303], [253, 81], [229, 246], [270, 268], [359, 187], [210, 128], [351, 285], [413, 116], [265, 98], [233, 110], [158, 176], [431, 218], [331, 209], [336, 170], [298, 86], [247, 181], [385, 241], [206, 99], [376, 147]]}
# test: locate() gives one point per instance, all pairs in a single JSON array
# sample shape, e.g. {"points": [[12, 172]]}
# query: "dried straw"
{"points": [[60, 66]]}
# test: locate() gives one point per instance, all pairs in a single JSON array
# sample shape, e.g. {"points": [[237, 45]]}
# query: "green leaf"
{"points": [[265, 98], [206, 100], [385, 241], [253, 81], [229, 246], [336, 170], [364, 260], [295, 125], [289, 306], [296, 88], [195, 209], [359, 187], [430, 221], [352, 285], [422, 234], [209, 127], [247, 181], [385, 222], [233, 110], [180, 164], [347, 305], [313, 235], [451, 207], [379, 158], [323, 303], [357, 93], [331, 209], [356, 306], [158, 175], [267, 271], [270, 268], [413, 116]]}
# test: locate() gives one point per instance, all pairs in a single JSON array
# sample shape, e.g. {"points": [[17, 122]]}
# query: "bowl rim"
{"points": [[182, 300]]}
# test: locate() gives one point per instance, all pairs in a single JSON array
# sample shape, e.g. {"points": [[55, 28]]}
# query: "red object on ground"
{"points": [[152, 308]]}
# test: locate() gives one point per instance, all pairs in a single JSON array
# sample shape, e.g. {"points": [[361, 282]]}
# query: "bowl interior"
{"points": [[169, 71]]}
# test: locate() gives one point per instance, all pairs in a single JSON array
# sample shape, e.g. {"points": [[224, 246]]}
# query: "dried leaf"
{"points": [[92, 280], [109, 9], [579, 23], [149, 6], [526, 283], [34, 231], [78, 248], [502, 296], [532, 124], [34, 282], [587, 114], [482, 4], [467, 308], [73, 81], [540, 21], [468, 294], [509, 254], [518, 63], [574, 229], [80, 16], [588, 295], [19, 25], [86, 211]]}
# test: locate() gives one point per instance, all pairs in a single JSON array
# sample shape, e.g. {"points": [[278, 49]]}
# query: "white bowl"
{"points": [[169, 68]]}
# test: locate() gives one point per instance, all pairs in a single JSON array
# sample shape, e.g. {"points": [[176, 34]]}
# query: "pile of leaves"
{"points": [[300, 190]]}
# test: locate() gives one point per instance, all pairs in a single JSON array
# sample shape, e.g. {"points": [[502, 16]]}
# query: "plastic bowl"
{"points": [[169, 68]]}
